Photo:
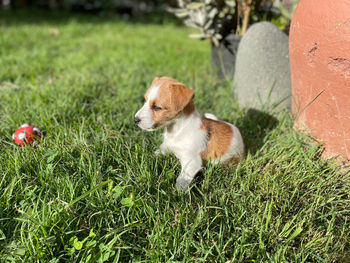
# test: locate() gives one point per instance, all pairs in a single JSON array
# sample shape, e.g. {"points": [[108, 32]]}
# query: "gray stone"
{"points": [[262, 74], [223, 57]]}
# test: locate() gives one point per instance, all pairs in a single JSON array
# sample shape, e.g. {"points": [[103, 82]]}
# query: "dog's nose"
{"points": [[137, 120]]}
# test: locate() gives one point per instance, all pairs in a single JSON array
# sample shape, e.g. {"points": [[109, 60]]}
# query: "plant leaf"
{"points": [[78, 244], [127, 201], [92, 234], [212, 14], [194, 5], [295, 233], [197, 36], [118, 190], [230, 3]]}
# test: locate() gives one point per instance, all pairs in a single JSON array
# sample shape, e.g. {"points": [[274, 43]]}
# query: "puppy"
{"points": [[191, 137]]}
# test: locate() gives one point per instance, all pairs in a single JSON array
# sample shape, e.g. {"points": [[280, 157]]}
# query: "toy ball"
{"points": [[26, 134]]}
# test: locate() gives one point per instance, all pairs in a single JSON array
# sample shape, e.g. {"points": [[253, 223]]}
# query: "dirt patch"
{"points": [[339, 65]]}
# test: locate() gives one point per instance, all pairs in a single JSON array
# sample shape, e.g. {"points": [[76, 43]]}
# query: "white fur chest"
{"points": [[185, 137]]}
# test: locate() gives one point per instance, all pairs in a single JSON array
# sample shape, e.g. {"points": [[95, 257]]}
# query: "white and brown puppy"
{"points": [[191, 137]]}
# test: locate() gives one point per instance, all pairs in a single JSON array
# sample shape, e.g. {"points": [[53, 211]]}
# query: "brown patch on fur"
{"points": [[158, 81], [189, 108], [220, 135], [173, 97]]}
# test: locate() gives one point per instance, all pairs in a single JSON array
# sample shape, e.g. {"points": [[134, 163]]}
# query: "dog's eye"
{"points": [[156, 108]]}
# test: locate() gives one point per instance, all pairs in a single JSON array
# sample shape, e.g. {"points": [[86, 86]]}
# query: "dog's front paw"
{"points": [[183, 183], [163, 150], [158, 152]]}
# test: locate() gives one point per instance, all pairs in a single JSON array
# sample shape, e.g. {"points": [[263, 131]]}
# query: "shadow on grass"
{"points": [[254, 126], [40, 16]]}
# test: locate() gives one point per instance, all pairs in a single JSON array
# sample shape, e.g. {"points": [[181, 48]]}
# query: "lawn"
{"points": [[93, 191]]}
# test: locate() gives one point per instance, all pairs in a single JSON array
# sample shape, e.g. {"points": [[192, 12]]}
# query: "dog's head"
{"points": [[164, 100]]}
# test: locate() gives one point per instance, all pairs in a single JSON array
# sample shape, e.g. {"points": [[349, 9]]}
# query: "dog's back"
{"points": [[225, 143]]}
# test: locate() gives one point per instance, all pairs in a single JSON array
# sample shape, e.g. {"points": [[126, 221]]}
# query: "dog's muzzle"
{"points": [[137, 120]]}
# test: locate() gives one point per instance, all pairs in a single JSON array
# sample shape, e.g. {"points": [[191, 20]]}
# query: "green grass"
{"points": [[93, 190]]}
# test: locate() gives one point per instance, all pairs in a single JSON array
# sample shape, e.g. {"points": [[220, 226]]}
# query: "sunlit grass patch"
{"points": [[93, 189]]}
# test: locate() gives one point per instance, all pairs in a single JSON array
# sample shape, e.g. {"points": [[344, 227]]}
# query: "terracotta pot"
{"points": [[319, 49]]}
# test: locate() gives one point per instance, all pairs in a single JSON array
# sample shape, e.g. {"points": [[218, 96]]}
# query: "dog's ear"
{"points": [[181, 96]]}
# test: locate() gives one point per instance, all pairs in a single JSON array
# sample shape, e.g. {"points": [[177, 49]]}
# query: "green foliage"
{"points": [[92, 190], [215, 19], [285, 13], [210, 17]]}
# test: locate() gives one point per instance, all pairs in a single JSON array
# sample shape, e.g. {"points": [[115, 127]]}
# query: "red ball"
{"points": [[26, 134]]}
